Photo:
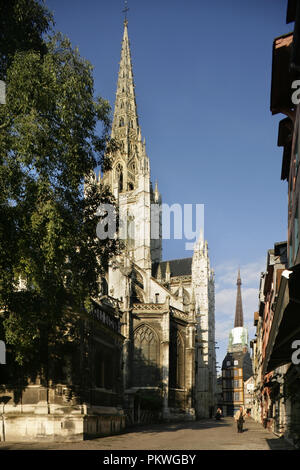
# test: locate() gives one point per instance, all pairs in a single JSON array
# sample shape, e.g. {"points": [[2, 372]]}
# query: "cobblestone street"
{"points": [[199, 435]]}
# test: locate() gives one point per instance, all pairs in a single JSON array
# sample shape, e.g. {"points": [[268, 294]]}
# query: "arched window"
{"points": [[145, 357], [176, 359], [119, 176], [132, 168]]}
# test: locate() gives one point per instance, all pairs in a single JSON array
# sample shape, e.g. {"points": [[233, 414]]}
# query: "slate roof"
{"points": [[178, 267]]}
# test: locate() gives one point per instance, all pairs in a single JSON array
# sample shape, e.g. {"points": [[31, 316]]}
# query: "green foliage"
{"points": [[48, 149], [22, 24]]}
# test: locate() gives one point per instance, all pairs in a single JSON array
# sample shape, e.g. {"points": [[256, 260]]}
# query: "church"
{"points": [[168, 306]]}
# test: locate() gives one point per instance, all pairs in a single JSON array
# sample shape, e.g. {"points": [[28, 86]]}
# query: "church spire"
{"points": [[239, 307], [125, 121]]}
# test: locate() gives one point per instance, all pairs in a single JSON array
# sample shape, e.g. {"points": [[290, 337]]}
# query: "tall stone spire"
{"points": [[129, 174], [125, 112], [238, 321], [131, 159]]}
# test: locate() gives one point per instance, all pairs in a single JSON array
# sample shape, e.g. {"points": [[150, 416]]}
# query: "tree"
{"points": [[48, 147], [22, 25]]}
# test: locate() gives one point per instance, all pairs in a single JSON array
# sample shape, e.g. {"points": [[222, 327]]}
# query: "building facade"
{"points": [[277, 398]]}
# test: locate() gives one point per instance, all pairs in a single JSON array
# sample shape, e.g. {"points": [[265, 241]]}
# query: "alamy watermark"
{"points": [[296, 354], [296, 94], [178, 221]]}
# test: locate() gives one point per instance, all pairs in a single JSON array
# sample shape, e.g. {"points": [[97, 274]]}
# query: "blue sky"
{"points": [[203, 74]]}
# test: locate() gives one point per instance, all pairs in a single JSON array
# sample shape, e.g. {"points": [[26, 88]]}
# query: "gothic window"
{"points": [[121, 122], [119, 176], [131, 176], [145, 357], [176, 359]]}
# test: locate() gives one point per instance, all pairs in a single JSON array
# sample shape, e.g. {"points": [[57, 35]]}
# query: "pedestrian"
{"points": [[239, 417], [218, 414], [265, 419]]}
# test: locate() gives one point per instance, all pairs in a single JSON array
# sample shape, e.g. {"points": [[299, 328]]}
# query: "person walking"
{"points": [[239, 417], [218, 415]]}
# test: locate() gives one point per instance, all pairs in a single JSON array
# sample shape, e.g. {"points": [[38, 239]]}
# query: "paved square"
{"points": [[198, 435]]}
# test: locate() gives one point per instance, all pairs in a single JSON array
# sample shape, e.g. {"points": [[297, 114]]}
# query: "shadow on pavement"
{"points": [[279, 444], [173, 427]]}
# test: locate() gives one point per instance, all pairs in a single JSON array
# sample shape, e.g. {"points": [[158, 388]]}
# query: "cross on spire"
{"points": [[126, 9]]}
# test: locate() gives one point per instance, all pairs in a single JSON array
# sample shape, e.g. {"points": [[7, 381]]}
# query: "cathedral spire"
{"points": [[125, 121], [238, 321]]}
